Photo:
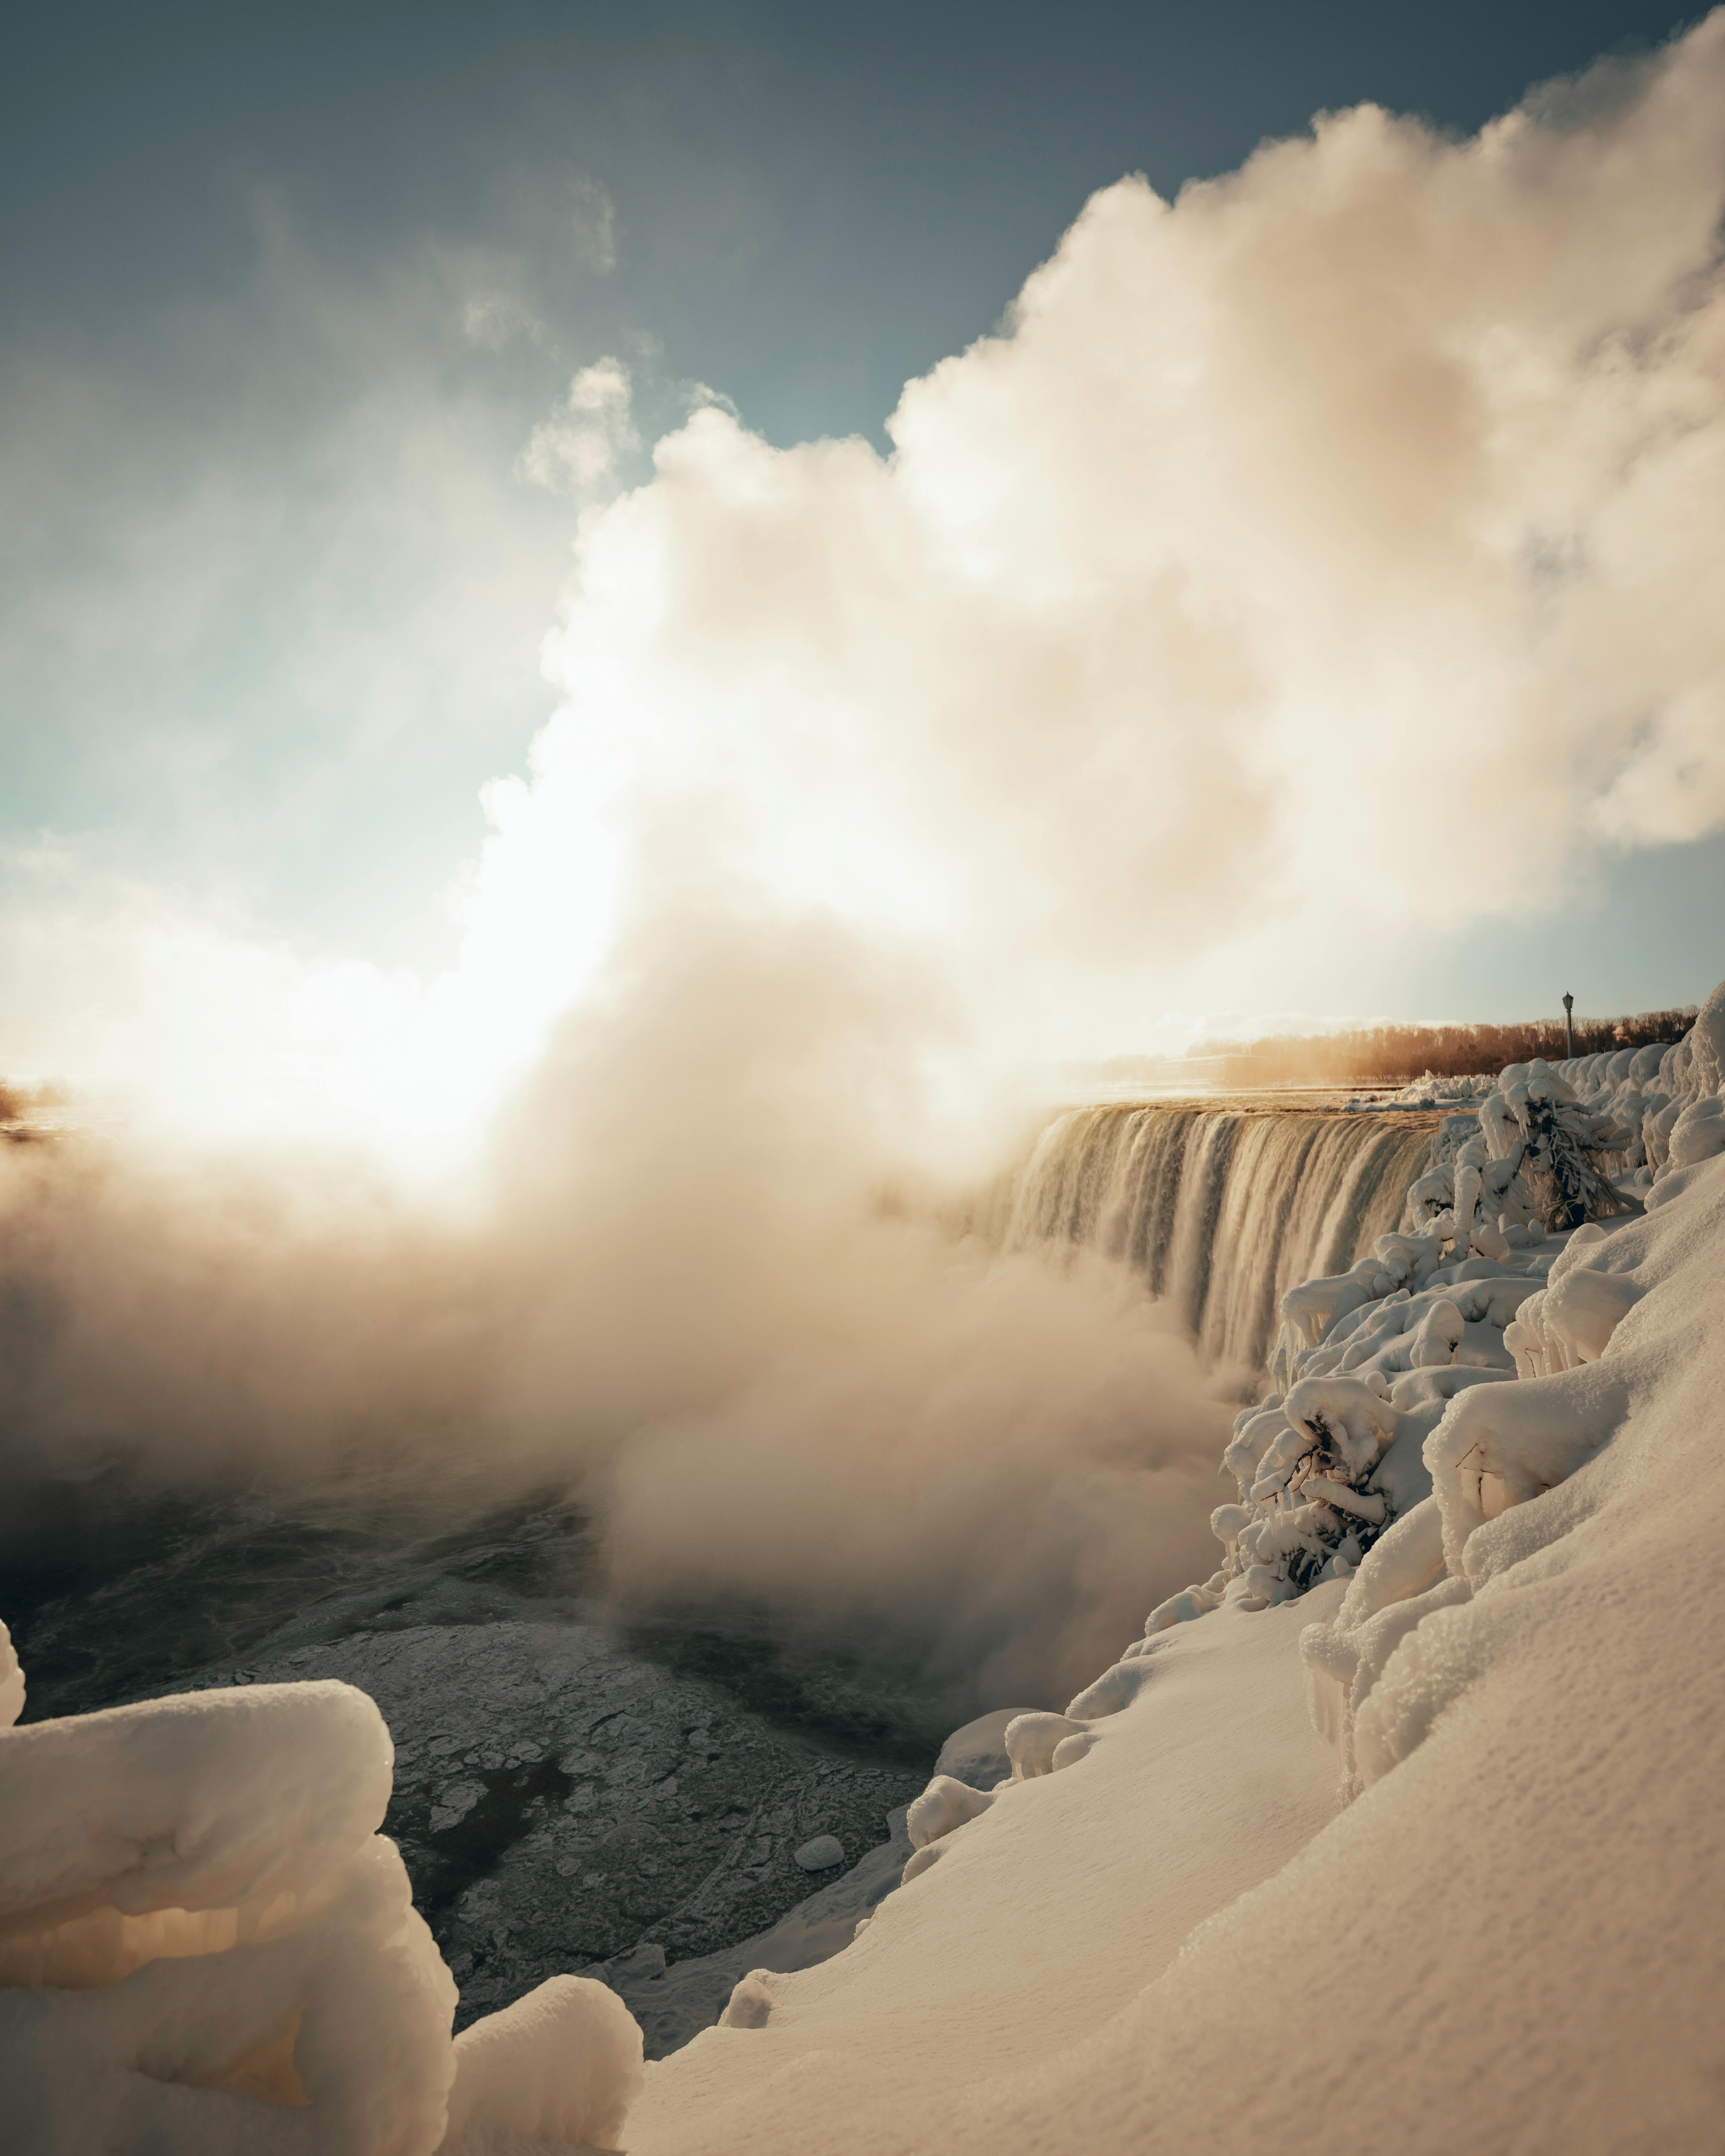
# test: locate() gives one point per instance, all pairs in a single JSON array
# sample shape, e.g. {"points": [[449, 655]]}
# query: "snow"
{"points": [[1044, 1913], [556, 2070], [751, 2002], [206, 1946]]}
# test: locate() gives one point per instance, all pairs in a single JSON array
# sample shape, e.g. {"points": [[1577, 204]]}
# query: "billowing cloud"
{"points": [[1338, 535], [702, 1294]]}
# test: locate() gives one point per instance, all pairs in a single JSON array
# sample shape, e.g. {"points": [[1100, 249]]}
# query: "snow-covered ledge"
{"points": [[207, 1947]]}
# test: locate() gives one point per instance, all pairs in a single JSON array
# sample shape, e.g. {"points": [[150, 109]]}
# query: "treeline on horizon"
{"points": [[1397, 1055], [1369, 1055]]}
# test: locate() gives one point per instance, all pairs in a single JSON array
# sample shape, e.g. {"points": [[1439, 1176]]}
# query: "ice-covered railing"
{"points": [[207, 1947], [1430, 1091]]}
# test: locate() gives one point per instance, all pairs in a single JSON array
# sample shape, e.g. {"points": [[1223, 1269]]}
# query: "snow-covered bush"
{"points": [[1487, 1281]]}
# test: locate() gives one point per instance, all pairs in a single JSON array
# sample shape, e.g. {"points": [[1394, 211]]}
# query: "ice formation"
{"points": [[1487, 1277], [205, 1945]]}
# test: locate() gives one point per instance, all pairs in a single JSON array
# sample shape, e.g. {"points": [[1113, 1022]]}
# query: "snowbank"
{"points": [[1066, 1894], [206, 1946]]}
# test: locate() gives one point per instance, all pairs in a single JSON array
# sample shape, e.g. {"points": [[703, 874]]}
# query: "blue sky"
{"points": [[284, 292]]}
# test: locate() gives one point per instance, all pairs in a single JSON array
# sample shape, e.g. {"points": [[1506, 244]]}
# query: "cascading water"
{"points": [[1220, 1209]]}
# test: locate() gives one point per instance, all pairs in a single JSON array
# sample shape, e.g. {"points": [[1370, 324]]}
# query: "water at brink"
{"points": [[1220, 1209]]}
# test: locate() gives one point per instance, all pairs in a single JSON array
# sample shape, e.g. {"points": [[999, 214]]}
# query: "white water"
{"points": [[1220, 1209]]}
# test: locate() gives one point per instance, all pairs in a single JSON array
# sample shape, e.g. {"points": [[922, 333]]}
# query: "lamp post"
{"points": [[1568, 1030]]}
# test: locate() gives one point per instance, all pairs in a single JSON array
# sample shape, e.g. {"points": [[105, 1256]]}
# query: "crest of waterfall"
{"points": [[1220, 1210]]}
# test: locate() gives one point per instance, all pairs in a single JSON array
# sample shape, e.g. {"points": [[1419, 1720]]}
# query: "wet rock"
{"points": [[822, 1854]]}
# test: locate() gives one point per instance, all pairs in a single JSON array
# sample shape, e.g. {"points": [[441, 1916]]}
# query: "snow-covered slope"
{"points": [[1035, 1922]]}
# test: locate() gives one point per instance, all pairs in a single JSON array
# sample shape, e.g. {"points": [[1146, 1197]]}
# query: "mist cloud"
{"points": [[709, 1296]]}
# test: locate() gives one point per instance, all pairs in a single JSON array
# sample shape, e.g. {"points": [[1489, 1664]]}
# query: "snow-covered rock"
{"points": [[205, 1945], [1032, 1739], [1482, 1277], [977, 1753], [943, 1807], [556, 2072]]}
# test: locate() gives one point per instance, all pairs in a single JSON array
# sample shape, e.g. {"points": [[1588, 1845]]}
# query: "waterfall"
{"points": [[1221, 1209]]}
